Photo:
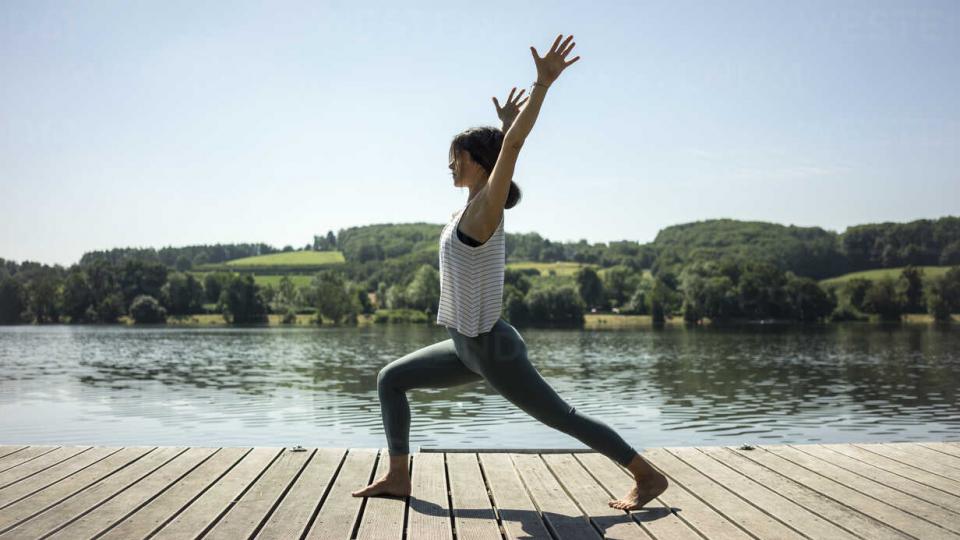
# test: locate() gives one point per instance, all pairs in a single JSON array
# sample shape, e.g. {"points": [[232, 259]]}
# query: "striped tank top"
{"points": [[471, 280]]}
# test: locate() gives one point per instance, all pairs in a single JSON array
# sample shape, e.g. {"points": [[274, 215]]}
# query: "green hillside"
{"points": [[928, 271]]}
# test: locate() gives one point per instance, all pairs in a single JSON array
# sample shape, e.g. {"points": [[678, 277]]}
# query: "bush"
{"points": [[146, 310], [290, 317], [555, 306]]}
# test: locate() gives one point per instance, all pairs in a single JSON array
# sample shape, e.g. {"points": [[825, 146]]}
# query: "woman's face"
{"points": [[465, 171]]}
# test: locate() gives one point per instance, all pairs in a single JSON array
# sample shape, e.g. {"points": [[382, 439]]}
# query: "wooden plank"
{"points": [[951, 464], [799, 493], [518, 515], [340, 509], [657, 518], [906, 485], [160, 510], [592, 498], [473, 515], [24, 456], [428, 514], [206, 509], [246, 514], [793, 515], [6, 450], [952, 449], [930, 512], [383, 515], [770, 457], [296, 508], [908, 458], [34, 466], [896, 467], [39, 501], [69, 509], [128, 501], [562, 515], [32, 484], [745, 515]]}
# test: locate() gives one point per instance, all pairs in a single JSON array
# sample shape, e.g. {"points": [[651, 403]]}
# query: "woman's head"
{"points": [[473, 153]]}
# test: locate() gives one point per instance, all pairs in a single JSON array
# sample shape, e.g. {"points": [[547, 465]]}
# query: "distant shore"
{"points": [[592, 321]]}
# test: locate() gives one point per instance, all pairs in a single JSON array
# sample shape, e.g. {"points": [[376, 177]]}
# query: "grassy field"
{"points": [[562, 269], [290, 258], [928, 271], [267, 279]]}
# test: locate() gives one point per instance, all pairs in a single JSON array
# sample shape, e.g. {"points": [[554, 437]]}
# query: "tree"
{"points": [[146, 310], [182, 294], [183, 263], [423, 292], [43, 296], [214, 283], [77, 296], [619, 282], [910, 285], [855, 290], [334, 302], [138, 277], [12, 303], [883, 299], [555, 306], [943, 294], [240, 301], [589, 286], [807, 301]]}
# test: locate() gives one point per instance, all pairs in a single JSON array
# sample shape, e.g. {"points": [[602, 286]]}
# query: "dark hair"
{"points": [[483, 144]]}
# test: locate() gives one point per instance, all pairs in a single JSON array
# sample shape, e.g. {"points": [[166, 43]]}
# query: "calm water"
{"points": [[317, 386]]}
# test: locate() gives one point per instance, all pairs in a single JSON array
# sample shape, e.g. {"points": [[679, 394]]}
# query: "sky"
{"points": [[153, 124]]}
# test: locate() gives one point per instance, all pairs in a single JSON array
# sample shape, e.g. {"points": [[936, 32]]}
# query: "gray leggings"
{"points": [[500, 357]]}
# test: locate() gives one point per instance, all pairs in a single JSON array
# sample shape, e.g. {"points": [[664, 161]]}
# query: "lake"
{"points": [[276, 386]]}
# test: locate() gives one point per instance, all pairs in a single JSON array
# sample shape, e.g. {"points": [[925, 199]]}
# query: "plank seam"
{"points": [[42, 510], [898, 507], [61, 479], [546, 523], [801, 505], [674, 482], [117, 494], [357, 519], [158, 494], [323, 496], [276, 504], [29, 460], [799, 447], [845, 486], [167, 521], [496, 510], [724, 486], [694, 494], [904, 462], [45, 468], [449, 490], [892, 472], [569, 494], [233, 502]]}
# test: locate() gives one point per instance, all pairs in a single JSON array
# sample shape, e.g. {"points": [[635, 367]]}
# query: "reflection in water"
{"points": [[112, 385]]}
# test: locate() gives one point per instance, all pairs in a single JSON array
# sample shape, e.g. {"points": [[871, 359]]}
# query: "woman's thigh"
{"points": [[500, 356], [433, 366]]}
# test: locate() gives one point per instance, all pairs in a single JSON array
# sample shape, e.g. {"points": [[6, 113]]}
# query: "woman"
{"points": [[482, 346]]}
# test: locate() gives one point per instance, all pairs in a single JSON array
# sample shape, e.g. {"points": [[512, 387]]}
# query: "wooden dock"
{"points": [[834, 491]]}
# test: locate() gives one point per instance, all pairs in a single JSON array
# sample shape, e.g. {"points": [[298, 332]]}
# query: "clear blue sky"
{"points": [[175, 123]]}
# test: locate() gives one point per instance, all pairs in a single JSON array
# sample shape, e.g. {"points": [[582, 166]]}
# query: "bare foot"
{"points": [[386, 485], [642, 492]]}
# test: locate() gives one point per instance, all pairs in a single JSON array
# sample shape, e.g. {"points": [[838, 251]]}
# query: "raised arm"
{"points": [[548, 69]]}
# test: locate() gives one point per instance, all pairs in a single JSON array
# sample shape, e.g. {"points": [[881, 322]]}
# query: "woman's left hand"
{"points": [[550, 66], [508, 113]]}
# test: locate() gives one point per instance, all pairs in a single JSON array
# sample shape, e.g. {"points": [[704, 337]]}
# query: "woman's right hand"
{"points": [[550, 66]]}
